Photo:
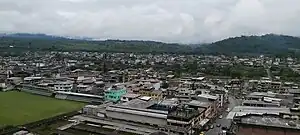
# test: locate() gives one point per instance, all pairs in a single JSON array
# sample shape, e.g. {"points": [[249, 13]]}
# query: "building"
{"points": [[245, 110], [147, 115], [114, 93], [209, 111], [260, 103], [84, 88], [33, 80], [266, 125], [129, 96], [139, 111], [210, 98], [185, 121], [2, 86], [88, 98], [265, 85], [14, 80], [66, 86]]}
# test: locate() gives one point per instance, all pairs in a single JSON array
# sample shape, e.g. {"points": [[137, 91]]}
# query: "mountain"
{"points": [[42, 42], [270, 44]]}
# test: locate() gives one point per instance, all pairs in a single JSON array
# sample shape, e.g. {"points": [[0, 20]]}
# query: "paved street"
{"points": [[233, 102], [224, 122]]}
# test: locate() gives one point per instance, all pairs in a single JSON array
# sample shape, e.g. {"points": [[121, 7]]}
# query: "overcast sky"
{"points": [[184, 21]]}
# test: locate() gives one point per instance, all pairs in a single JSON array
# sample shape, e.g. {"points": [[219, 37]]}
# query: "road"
{"points": [[223, 122]]}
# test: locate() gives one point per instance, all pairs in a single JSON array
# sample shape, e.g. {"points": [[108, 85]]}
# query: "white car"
{"points": [[220, 117], [228, 110]]}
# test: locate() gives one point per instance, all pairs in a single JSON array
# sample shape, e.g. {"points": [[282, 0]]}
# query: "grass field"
{"points": [[20, 108]]}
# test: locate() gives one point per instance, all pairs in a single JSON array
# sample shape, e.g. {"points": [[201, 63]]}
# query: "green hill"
{"points": [[44, 43], [267, 44]]}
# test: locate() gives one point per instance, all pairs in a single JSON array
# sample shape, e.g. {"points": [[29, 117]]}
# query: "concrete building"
{"points": [[207, 107], [84, 88], [167, 116], [137, 110], [245, 110], [66, 86], [129, 96], [266, 125], [88, 98], [114, 93], [260, 103], [33, 80]]}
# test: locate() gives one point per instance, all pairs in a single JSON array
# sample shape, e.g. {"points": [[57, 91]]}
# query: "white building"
{"points": [[129, 96], [63, 86]]}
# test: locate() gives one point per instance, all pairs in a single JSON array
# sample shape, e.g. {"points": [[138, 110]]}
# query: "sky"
{"points": [[182, 21]]}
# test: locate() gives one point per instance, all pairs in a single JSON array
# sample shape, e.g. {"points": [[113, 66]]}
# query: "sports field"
{"points": [[20, 108]]}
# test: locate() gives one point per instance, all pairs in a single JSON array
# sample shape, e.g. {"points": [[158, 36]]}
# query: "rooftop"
{"points": [[267, 94], [170, 102], [245, 110], [295, 91], [32, 78], [183, 114], [270, 121], [79, 94], [199, 103], [131, 95], [208, 96], [260, 102], [138, 103]]}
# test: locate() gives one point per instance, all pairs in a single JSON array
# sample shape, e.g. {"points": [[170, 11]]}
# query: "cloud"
{"points": [[184, 21]]}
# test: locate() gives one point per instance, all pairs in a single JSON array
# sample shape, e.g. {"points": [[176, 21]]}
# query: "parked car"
{"points": [[228, 110], [220, 117], [218, 125], [206, 128], [212, 126]]}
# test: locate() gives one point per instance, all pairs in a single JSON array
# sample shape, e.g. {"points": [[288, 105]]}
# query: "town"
{"points": [[145, 94]]}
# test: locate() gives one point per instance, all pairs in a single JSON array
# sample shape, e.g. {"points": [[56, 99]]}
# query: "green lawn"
{"points": [[19, 108]]}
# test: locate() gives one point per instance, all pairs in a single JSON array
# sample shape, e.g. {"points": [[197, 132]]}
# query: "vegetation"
{"points": [[20, 108], [234, 71], [270, 44], [285, 74], [18, 43]]}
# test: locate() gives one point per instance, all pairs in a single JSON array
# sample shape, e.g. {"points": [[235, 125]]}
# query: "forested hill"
{"points": [[25, 42], [253, 45], [267, 44]]}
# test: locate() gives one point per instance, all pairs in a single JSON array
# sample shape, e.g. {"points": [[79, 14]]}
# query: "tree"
{"points": [[164, 85]]}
